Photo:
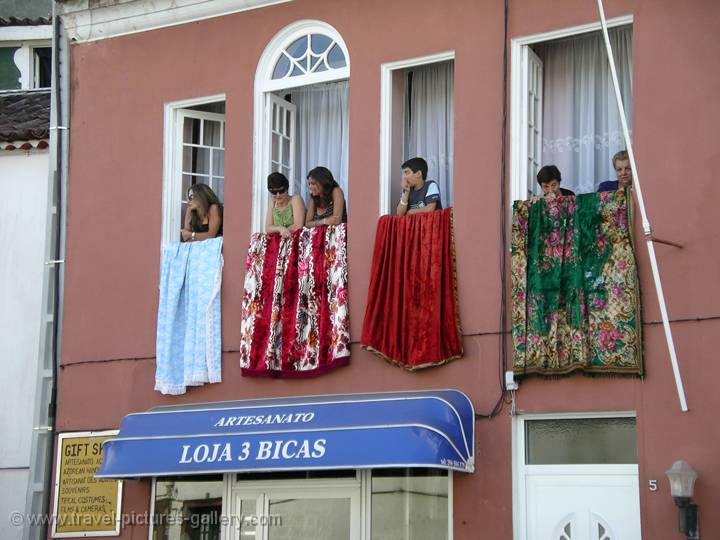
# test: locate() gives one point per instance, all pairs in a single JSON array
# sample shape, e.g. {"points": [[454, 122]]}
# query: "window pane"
{"points": [[9, 73], [188, 509], [275, 150], [581, 440], [199, 160], [211, 133], [336, 58], [218, 186], [248, 510], [191, 130], [298, 48], [286, 151], [319, 43], [218, 162], [409, 504], [319, 519], [282, 67], [43, 66]]}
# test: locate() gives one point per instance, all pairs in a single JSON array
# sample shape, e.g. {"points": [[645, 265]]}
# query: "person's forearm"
{"points": [[402, 207], [422, 210]]}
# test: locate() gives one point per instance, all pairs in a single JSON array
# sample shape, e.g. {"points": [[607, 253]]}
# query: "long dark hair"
{"points": [[324, 177], [205, 196]]}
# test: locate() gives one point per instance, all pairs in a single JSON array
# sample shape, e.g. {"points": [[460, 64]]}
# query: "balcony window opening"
{"points": [[201, 147], [421, 125], [301, 111], [309, 128], [571, 115]]}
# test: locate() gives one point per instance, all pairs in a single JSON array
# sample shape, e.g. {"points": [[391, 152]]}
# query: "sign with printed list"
{"points": [[84, 505]]}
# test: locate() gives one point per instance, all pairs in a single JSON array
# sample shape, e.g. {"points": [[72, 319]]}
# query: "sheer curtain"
{"points": [[581, 123], [429, 122], [322, 132]]}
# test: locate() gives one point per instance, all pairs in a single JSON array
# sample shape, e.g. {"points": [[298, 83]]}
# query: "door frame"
{"points": [[263, 491], [520, 470]]}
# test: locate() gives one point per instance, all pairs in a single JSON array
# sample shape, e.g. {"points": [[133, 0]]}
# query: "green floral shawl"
{"points": [[575, 291]]}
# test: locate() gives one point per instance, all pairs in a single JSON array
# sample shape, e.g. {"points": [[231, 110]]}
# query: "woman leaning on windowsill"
{"points": [[203, 217], [285, 214], [327, 200]]}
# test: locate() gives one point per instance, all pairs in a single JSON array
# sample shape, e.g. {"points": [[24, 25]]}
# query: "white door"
{"points": [[281, 146], [576, 477], [531, 144], [563, 504], [285, 513]]}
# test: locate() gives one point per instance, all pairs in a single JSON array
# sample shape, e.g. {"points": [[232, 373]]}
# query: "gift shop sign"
{"points": [[84, 506]]}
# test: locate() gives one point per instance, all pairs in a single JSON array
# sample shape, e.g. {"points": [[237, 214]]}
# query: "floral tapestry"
{"points": [[575, 290], [295, 319]]}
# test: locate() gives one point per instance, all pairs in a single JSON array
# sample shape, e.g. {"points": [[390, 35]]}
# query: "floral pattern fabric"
{"points": [[295, 317], [575, 290]]}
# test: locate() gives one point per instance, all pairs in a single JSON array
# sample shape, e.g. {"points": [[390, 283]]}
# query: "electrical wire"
{"points": [[502, 336]]}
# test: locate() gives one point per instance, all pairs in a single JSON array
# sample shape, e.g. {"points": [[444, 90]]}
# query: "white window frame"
{"points": [[264, 83], [386, 116], [24, 59], [520, 469], [518, 98], [172, 164]]}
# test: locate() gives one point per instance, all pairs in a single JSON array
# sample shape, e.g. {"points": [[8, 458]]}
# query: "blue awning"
{"points": [[397, 429]]}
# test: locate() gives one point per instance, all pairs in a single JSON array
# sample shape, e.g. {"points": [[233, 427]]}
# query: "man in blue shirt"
{"points": [[623, 171], [418, 194]]}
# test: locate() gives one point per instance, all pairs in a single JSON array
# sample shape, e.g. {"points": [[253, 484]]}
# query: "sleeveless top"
{"points": [[328, 212], [205, 227], [283, 217]]}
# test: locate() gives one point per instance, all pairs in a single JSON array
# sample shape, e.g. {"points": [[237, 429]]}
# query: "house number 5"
{"points": [[652, 485]]}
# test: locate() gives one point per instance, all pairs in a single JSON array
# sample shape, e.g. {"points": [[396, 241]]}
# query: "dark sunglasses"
{"points": [[190, 196], [277, 191]]}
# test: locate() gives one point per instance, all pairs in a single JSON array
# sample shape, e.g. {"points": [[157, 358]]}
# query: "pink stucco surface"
{"points": [[119, 87]]}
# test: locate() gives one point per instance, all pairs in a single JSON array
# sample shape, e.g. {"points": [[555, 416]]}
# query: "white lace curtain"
{"points": [[429, 122], [581, 123], [322, 132]]}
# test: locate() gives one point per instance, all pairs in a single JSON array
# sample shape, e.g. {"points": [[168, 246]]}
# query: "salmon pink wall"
{"points": [[119, 87]]}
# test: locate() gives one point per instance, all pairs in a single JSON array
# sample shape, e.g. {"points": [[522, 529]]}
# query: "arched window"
{"points": [[301, 109]]}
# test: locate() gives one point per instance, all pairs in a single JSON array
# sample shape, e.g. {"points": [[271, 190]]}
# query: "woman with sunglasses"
{"points": [[284, 213], [203, 217], [327, 200]]}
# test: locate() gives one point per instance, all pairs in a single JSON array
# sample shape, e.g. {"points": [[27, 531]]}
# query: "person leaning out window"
{"points": [[203, 217]]}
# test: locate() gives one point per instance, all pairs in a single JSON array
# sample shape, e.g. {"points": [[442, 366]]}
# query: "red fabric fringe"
{"points": [[412, 317]]}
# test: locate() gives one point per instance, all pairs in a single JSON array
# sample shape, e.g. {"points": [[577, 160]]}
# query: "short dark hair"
{"points": [[277, 180], [549, 173], [416, 164]]}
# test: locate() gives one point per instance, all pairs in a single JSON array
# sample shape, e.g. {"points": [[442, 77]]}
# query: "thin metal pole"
{"points": [[645, 221]]}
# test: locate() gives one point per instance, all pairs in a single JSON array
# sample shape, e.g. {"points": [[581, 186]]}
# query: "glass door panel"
{"points": [[245, 523], [309, 519]]}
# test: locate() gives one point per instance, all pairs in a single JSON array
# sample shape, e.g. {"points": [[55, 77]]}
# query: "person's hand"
{"points": [[285, 232], [405, 185], [534, 199], [186, 235], [550, 196]]}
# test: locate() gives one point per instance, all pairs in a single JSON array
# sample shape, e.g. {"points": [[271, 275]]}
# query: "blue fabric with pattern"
{"points": [[188, 346]]}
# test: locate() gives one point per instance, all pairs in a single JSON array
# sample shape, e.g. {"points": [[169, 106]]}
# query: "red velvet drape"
{"points": [[411, 317]]}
